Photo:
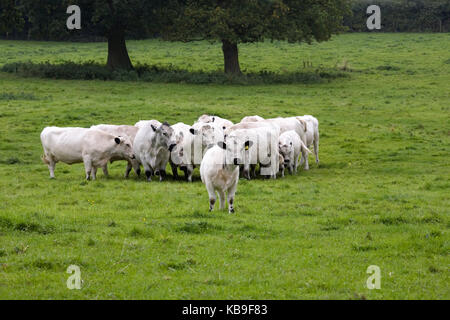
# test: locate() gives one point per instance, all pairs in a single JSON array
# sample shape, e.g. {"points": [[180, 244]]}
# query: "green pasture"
{"points": [[380, 196]]}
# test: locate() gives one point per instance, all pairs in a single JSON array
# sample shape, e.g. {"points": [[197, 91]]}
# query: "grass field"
{"points": [[380, 196]]}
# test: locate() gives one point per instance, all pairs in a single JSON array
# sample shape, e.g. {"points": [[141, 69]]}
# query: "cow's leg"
{"points": [[87, 167], [212, 195], [105, 170], [189, 172], [51, 168], [305, 155], [246, 172], [231, 192], [221, 199], [253, 170], [316, 149], [148, 172], [174, 170], [162, 175], [128, 170], [94, 173]]}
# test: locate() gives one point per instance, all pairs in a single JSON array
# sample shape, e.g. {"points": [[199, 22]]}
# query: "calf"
{"points": [[290, 147], [219, 170], [75, 145], [152, 147], [124, 131]]}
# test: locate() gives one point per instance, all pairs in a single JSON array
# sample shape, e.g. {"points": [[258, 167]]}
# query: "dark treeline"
{"points": [[46, 19], [403, 15]]}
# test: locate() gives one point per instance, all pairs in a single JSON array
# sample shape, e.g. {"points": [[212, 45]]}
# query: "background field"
{"points": [[380, 196]]}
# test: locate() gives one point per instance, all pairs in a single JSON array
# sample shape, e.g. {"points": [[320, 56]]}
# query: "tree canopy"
{"points": [[242, 21]]}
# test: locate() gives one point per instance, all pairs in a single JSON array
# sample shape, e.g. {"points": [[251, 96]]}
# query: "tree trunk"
{"points": [[117, 52], [231, 57]]}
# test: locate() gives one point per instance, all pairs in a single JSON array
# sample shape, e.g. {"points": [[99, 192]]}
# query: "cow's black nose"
{"points": [[286, 161]]}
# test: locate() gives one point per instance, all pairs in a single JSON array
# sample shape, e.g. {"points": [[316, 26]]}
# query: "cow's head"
{"points": [[208, 133], [124, 147], [286, 150], [165, 136], [235, 148]]}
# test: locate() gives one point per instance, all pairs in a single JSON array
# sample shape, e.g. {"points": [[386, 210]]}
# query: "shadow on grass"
{"points": [[166, 74]]}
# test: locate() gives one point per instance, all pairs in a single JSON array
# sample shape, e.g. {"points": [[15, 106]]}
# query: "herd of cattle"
{"points": [[220, 147]]}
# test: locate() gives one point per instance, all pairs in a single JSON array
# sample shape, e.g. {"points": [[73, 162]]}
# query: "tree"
{"points": [[245, 21], [10, 17], [112, 19]]}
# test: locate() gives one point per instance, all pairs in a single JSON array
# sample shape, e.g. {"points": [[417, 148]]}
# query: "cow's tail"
{"points": [[303, 122]]}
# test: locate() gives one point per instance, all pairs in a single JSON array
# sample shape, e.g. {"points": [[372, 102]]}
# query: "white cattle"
{"points": [[75, 145], [223, 123], [290, 147], [298, 125], [147, 123], [192, 144], [252, 119], [219, 170], [124, 131], [179, 156], [152, 147], [265, 150], [312, 136]]}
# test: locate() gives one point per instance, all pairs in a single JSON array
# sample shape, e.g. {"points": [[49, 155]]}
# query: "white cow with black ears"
{"points": [[219, 170], [152, 147]]}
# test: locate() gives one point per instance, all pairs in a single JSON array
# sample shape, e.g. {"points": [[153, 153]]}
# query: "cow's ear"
{"points": [[154, 128], [193, 131], [248, 144], [117, 140], [222, 145]]}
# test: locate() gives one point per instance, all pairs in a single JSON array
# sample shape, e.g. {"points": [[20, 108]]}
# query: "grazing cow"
{"points": [[219, 170], [152, 147], [223, 123], [124, 131], [264, 152], [290, 147], [312, 136], [147, 123], [75, 145], [252, 119]]}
